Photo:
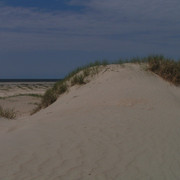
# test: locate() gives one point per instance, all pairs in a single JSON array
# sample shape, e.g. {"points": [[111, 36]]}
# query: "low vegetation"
{"points": [[166, 68], [7, 113], [18, 95], [76, 77]]}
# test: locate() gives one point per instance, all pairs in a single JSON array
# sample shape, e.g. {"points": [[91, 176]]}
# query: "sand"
{"points": [[18, 96], [15, 88], [123, 125]]}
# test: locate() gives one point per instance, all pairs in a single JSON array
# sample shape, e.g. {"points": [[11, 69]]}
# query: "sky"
{"points": [[49, 38]]}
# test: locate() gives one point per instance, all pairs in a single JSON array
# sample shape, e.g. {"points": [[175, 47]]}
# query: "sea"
{"points": [[29, 80]]}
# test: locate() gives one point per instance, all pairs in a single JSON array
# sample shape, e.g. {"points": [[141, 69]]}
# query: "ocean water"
{"points": [[29, 80]]}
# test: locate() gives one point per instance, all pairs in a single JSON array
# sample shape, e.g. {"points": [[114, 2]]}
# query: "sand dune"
{"points": [[19, 96], [123, 125]]}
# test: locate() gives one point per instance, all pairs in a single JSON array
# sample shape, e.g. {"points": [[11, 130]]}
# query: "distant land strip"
{"points": [[29, 80]]}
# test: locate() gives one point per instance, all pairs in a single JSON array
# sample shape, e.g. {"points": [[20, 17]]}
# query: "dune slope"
{"points": [[124, 124]]}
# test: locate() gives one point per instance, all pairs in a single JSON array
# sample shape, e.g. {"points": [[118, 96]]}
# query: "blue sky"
{"points": [[48, 38]]}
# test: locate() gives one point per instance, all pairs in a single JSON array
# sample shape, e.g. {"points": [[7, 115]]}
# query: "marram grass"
{"points": [[168, 69], [7, 113]]}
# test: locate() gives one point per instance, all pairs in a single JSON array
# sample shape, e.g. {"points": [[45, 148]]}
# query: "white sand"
{"points": [[15, 88], [123, 125], [17, 96]]}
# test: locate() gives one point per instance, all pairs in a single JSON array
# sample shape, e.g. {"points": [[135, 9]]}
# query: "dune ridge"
{"points": [[123, 124]]}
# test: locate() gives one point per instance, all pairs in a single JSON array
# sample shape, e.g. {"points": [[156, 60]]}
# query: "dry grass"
{"points": [[76, 77], [166, 68], [7, 113]]}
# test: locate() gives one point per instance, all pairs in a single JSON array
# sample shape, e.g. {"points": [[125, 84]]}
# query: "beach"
{"points": [[122, 125], [22, 97]]}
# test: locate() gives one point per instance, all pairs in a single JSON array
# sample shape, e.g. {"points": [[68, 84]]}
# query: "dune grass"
{"points": [[166, 68], [7, 113], [76, 77], [18, 95]]}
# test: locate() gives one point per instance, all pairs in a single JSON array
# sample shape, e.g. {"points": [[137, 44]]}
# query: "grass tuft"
{"points": [[63, 88], [77, 79], [49, 97], [166, 68], [7, 113], [77, 76], [86, 72]]}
